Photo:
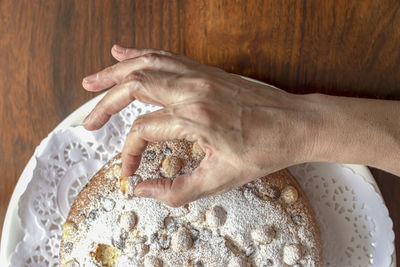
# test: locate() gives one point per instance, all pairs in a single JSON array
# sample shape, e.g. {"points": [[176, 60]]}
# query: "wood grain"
{"points": [[340, 47]]}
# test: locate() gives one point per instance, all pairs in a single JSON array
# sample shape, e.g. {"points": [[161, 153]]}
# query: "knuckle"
{"points": [[205, 84], [136, 76], [110, 72], [139, 124], [200, 112], [199, 107], [131, 87], [152, 58], [165, 53], [104, 74], [159, 52], [134, 82]]}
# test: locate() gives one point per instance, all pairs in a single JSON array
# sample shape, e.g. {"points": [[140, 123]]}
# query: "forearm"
{"points": [[360, 131]]}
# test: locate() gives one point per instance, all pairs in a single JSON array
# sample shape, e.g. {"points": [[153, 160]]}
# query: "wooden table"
{"points": [[339, 47]]}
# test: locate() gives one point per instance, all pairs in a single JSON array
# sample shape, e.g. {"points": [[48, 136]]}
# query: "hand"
{"points": [[246, 129]]}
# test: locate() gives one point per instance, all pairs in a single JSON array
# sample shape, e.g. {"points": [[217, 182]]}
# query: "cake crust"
{"points": [[267, 222]]}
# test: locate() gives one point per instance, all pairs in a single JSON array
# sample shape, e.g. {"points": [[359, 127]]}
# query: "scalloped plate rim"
{"points": [[12, 221]]}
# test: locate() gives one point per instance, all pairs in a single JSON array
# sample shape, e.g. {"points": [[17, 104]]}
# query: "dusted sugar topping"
{"points": [[265, 223]]}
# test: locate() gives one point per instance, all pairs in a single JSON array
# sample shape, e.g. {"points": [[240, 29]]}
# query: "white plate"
{"points": [[12, 231]]}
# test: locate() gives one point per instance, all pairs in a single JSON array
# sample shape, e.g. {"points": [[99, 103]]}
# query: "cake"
{"points": [[267, 222]]}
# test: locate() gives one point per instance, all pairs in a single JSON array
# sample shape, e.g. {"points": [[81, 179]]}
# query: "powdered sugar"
{"points": [[201, 239]]}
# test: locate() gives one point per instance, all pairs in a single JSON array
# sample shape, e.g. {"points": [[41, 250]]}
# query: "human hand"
{"points": [[246, 129]]}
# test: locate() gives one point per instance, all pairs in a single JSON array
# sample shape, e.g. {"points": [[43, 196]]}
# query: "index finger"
{"points": [[117, 73]]}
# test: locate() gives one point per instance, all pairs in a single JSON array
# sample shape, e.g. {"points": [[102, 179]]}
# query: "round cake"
{"points": [[268, 222]]}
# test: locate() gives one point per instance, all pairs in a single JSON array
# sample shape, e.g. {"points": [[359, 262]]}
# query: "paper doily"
{"points": [[355, 224]]}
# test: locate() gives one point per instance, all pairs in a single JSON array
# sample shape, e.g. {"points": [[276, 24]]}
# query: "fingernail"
{"points": [[119, 49], [87, 119], [91, 78], [142, 193]]}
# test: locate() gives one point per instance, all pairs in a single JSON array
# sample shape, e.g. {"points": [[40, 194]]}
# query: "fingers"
{"points": [[113, 102], [156, 126], [143, 61], [174, 192], [152, 87], [121, 53]]}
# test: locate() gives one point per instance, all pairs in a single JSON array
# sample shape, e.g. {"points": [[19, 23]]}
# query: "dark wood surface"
{"points": [[340, 47]]}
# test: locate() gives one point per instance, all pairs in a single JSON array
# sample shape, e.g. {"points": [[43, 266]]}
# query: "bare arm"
{"points": [[356, 130], [247, 130]]}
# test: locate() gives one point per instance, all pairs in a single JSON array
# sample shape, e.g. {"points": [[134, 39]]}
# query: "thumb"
{"points": [[174, 192]]}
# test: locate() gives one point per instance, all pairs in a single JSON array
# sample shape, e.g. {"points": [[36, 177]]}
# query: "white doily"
{"points": [[355, 225], [354, 222]]}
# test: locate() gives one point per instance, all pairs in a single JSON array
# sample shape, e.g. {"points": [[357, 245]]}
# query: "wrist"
{"points": [[355, 130]]}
